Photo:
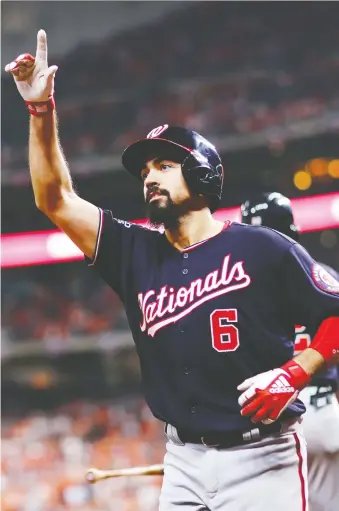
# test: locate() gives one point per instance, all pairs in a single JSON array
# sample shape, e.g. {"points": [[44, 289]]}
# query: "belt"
{"points": [[230, 439]]}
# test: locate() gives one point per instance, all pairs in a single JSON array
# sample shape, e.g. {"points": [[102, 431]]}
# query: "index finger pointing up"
{"points": [[41, 47]]}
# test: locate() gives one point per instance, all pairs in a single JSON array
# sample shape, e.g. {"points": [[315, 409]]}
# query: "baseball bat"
{"points": [[94, 475]]}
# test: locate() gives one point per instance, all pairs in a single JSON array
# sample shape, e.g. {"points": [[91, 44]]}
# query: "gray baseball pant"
{"points": [[267, 475]]}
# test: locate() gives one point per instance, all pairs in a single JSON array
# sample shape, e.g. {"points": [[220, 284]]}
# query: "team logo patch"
{"points": [[157, 131], [324, 280]]}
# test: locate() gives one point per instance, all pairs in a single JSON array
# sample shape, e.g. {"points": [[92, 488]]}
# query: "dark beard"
{"points": [[163, 215], [168, 215]]}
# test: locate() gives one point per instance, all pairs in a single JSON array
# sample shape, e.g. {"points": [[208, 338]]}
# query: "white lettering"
{"points": [[151, 312], [182, 296], [142, 304], [162, 295], [224, 280], [195, 289], [211, 281], [215, 283]]}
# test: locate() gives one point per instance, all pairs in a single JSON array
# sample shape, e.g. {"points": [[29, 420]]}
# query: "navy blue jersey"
{"points": [[303, 339], [206, 318]]}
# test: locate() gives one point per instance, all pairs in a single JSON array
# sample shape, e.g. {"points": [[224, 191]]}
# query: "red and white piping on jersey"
{"points": [[101, 224], [97, 244], [216, 283], [302, 471], [195, 245]]}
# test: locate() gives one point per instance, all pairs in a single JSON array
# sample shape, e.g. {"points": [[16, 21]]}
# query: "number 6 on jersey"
{"points": [[225, 337]]}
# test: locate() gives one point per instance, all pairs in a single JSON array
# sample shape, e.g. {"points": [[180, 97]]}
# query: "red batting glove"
{"points": [[267, 395]]}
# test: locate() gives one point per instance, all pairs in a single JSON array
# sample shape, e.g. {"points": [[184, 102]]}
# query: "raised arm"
{"points": [[52, 186], [51, 180]]}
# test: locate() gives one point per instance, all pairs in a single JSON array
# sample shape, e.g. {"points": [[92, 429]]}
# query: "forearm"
{"points": [[50, 176], [51, 180], [311, 361], [323, 350]]}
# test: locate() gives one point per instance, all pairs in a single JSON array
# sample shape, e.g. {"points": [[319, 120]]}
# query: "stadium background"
{"points": [[261, 81]]}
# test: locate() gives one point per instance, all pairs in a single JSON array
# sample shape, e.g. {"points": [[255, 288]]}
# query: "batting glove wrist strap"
{"points": [[41, 108], [298, 377]]}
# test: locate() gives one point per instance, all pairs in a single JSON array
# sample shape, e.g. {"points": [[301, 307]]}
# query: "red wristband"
{"points": [[300, 377], [41, 108], [326, 340]]}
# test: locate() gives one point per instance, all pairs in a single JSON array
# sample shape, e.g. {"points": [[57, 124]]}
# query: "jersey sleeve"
{"points": [[117, 245], [312, 292]]}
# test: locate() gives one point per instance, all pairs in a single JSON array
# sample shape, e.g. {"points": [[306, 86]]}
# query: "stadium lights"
{"points": [[317, 169], [302, 180], [333, 169]]}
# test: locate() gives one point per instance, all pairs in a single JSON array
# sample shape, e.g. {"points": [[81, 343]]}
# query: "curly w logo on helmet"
{"points": [[157, 131]]}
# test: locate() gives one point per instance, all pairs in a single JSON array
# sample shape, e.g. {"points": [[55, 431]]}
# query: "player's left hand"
{"points": [[266, 395], [33, 78]]}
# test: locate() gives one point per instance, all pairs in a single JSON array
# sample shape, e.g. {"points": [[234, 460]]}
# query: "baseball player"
{"points": [[212, 308], [321, 420]]}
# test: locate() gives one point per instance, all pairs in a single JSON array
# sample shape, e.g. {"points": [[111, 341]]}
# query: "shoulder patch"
{"points": [[324, 280]]}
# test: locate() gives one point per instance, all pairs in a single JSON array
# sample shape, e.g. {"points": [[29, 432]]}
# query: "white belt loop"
{"points": [[172, 434], [208, 445]]}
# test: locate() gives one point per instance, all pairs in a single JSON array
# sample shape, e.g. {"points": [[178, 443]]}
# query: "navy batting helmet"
{"points": [[271, 210], [200, 162]]}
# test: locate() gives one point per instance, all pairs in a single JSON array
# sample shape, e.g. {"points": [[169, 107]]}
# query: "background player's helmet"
{"points": [[201, 164], [271, 210]]}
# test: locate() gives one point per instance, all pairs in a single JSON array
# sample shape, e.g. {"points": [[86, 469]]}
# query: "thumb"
{"points": [[51, 72], [50, 76], [246, 383]]}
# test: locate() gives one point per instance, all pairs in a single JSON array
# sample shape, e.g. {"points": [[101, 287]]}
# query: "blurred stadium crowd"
{"points": [[214, 66], [44, 458], [46, 305]]}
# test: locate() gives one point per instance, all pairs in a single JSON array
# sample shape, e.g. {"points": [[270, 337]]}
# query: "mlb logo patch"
{"points": [[324, 280]]}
